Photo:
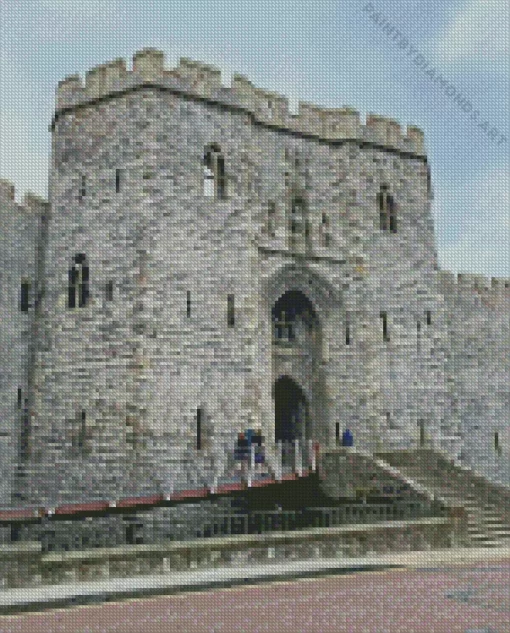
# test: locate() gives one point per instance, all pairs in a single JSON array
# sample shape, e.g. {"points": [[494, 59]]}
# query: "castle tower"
{"points": [[145, 319], [216, 263], [21, 259]]}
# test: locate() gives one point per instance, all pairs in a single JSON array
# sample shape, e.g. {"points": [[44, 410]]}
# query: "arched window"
{"points": [[214, 172], [79, 282], [387, 210]]}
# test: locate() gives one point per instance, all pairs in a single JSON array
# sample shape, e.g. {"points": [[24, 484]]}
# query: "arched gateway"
{"points": [[298, 394]]}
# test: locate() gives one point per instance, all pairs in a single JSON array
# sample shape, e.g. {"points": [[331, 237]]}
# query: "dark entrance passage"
{"points": [[291, 410]]}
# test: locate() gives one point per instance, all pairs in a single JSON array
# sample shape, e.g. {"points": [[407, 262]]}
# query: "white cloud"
{"points": [[483, 246], [475, 40]]}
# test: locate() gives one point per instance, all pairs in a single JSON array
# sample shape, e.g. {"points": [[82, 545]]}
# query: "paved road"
{"points": [[459, 599]]}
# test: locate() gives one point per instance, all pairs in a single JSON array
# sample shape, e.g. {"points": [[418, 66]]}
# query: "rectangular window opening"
{"points": [[230, 311], [117, 180], [347, 333], [392, 213], [20, 397], [497, 445], [188, 304], [271, 213], [83, 187], [383, 211], [109, 290], [25, 295], [221, 181], [79, 439], [83, 286], [199, 417], [384, 318], [428, 315], [72, 287], [421, 425], [429, 181]]}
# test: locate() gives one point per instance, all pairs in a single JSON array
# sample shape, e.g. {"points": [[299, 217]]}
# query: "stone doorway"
{"points": [[291, 411], [298, 379]]}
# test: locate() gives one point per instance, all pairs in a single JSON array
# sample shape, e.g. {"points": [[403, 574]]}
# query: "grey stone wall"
{"points": [[139, 364], [479, 367], [20, 232]]}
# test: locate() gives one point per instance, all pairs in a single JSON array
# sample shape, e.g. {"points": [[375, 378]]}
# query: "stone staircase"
{"points": [[487, 505]]}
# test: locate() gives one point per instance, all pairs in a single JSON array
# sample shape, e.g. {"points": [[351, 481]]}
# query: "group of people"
{"points": [[253, 441], [243, 450]]}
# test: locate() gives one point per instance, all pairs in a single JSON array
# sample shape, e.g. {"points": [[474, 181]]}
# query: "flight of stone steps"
{"points": [[487, 525]]}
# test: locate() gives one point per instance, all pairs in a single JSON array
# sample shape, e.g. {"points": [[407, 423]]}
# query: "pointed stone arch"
{"points": [[295, 276], [303, 355]]}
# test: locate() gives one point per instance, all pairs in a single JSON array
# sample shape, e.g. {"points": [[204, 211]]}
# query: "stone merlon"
{"points": [[204, 81], [463, 281], [30, 203]]}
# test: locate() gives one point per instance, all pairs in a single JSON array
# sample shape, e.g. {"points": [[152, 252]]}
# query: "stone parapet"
{"points": [[31, 203], [349, 472], [204, 81], [469, 481], [451, 282]]}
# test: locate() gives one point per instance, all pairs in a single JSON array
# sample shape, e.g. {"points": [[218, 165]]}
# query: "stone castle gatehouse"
{"points": [[209, 261]]}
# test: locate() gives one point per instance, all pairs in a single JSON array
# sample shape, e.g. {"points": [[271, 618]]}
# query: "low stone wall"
{"points": [[24, 564], [20, 565], [348, 472], [484, 490], [470, 482]]}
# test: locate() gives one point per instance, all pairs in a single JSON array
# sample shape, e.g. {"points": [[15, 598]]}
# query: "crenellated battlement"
{"points": [[31, 203], [7, 191], [204, 81], [452, 282]]}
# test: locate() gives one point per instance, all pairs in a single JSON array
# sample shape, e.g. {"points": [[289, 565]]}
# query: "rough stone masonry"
{"points": [[208, 262]]}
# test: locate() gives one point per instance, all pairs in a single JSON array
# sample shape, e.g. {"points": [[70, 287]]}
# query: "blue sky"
{"points": [[328, 52]]}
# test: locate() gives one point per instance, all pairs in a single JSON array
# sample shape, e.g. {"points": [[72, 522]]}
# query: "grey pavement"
{"points": [[69, 594]]}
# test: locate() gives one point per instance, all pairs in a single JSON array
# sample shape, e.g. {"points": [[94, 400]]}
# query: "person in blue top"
{"points": [[347, 438]]}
